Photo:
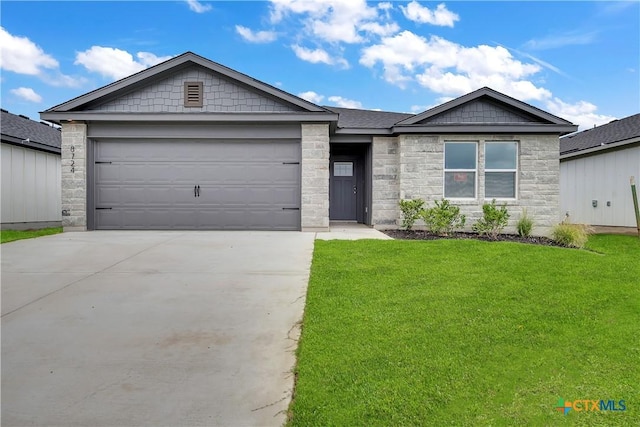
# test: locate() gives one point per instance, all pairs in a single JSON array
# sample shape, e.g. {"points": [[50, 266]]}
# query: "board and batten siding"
{"points": [[603, 177], [31, 195]]}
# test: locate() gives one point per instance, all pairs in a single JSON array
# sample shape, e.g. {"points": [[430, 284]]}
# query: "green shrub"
{"points": [[525, 224], [443, 218], [411, 211], [494, 220], [571, 235]]}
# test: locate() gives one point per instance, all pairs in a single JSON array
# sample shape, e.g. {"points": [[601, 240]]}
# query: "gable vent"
{"points": [[193, 94]]}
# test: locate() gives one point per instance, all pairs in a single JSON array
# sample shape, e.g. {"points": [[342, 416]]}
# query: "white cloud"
{"points": [[22, 56], [116, 63], [581, 113], [441, 16], [539, 61], [561, 40], [334, 21], [27, 94], [256, 36], [311, 96], [450, 69], [339, 101], [198, 7], [62, 80], [380, 29], [316, 56]]}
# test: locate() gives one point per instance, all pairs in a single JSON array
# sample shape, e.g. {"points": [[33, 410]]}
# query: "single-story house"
{"points": [[31, 193], [595, 167], [191, 144]]}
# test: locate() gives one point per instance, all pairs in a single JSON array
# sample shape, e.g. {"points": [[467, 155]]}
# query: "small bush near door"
{"points": [[411, 212], [443, 218], [494, 219]]}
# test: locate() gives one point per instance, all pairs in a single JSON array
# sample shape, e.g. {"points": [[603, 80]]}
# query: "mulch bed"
{"points": [[425, 235]]}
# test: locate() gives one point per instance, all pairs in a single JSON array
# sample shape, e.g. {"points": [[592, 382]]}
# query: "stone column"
{"points": [[315, 177], [385, 184], [74, 176]]}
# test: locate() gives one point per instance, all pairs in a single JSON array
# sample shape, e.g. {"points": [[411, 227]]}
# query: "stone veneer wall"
{"points": [[315, 177], [419, 163], [386, 183], [74, 176]]}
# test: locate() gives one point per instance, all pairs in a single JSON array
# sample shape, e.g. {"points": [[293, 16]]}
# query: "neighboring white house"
{"points": [[31, 174], [595, 167]]}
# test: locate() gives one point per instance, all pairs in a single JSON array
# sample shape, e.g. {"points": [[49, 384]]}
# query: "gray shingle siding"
{"points": [[220, 95], [479, 111]]}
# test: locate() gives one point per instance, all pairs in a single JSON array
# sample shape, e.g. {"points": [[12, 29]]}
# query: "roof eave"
{"points": [[559, 129], [95, 116], [598, 148], [364, 131], [12, 140]]}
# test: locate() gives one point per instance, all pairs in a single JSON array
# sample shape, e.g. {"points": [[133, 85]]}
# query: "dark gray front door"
{"points": [[344, 190], [185, 185]]}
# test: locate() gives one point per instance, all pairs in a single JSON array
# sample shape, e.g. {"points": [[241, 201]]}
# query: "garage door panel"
{"points": [[172, 151], [251, 174], [140, 195], [250, 197], [241, 219], [243, 185], [150, 173]]}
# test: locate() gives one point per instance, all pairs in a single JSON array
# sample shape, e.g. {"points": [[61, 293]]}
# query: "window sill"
{"points": [[463, 202], [509, 202]]}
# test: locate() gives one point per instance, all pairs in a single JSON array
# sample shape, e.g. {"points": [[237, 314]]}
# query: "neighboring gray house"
{"points": [[30, 173], [595, 167], [191, 144]]}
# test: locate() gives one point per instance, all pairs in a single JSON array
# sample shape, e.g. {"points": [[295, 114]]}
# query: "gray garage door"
{"points": [[197, 185]]}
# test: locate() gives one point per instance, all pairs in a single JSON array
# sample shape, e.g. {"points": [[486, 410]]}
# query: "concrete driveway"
{"points": [[151, 328]]}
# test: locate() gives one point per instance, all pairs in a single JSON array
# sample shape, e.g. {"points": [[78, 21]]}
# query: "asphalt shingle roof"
{"points": [[23, 128], [615, 131], [367, 119]]}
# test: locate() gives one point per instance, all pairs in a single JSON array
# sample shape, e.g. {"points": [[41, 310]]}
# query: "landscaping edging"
{"points": [[425, 235]]}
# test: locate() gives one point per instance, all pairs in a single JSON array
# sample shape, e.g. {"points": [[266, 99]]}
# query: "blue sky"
{"points": [[578, 60]]}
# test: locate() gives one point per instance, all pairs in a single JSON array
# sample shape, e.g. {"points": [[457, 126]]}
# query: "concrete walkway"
{"points": [[151, 328], [351, 231]]}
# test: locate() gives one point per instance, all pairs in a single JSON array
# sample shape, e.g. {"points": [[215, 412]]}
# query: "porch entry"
{"points": [[347, 187]]}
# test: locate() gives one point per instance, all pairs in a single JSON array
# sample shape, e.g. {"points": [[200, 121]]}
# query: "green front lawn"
{"points": [[11, 235], [454, 332]]}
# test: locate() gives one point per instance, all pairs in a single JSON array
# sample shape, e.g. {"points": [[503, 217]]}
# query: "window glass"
{"points": [[500, 184], [460, 155], [460, 184], [460, 169], [343, 169], [501, 162], [500, 155]]}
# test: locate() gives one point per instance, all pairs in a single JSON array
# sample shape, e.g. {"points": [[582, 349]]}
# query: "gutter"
{"points": [[94, 116], [19, 142], [599, 148]]}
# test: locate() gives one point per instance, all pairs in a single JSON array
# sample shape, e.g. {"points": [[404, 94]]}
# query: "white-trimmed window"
{"points": [[460, 170], [500, 169]]}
